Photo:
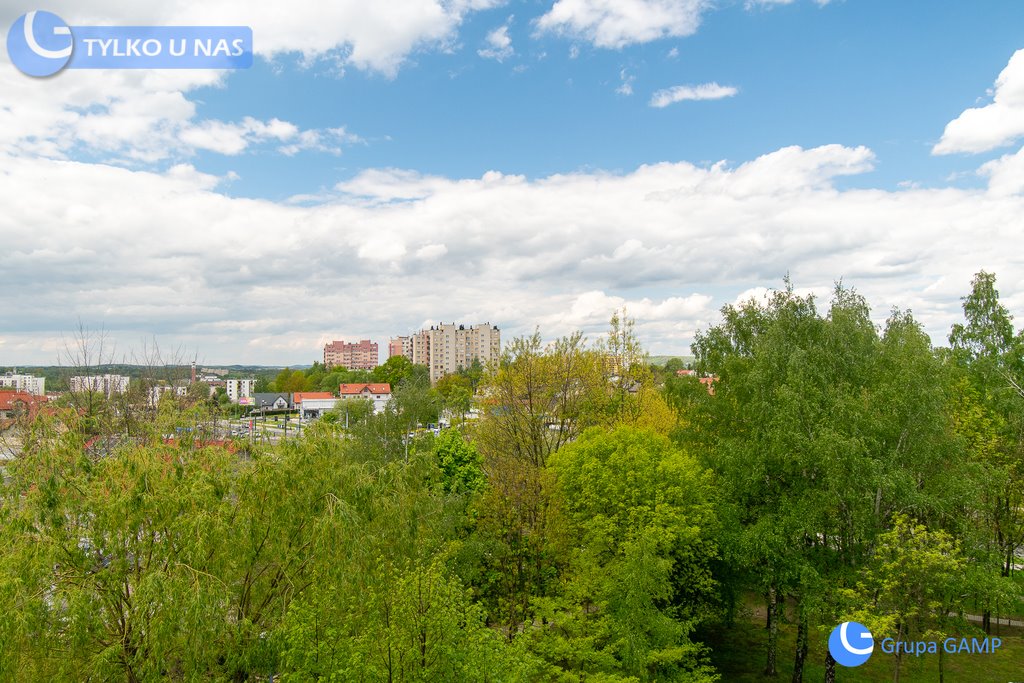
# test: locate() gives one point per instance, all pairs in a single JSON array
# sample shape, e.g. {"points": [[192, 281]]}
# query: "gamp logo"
{"points": [[40, 43], [851, 643]]}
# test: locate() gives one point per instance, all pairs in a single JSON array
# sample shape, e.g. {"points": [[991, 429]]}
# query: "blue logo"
{"points": [[851, 643], [40, 43]]}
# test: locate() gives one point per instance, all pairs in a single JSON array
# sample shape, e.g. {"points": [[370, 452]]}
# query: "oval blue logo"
{"points": [[40, 43], [851, 643]]}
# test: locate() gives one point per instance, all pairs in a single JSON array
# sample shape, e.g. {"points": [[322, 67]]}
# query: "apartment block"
{"points": [[447, 347], [239, 389], [400, 346], [361, 356], [24, 383], [100, 384]]}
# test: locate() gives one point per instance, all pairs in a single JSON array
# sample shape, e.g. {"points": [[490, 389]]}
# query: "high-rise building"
{"points": [[361, 356], [400, 346], [447, 347], [25, 383]]}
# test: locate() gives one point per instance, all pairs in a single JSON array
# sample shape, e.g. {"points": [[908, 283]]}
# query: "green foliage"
{"points": [[460, 464], [640, 516], [399, 369], [839, 469]]}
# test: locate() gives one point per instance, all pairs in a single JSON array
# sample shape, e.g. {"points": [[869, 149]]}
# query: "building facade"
{"points": [[361, 356], [378, 394], [24, 383], [100, 384], [400, 346], [239, 390], [447, 347]]}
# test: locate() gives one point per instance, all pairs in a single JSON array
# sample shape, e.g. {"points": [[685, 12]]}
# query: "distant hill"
{"points": [[661, 360]]}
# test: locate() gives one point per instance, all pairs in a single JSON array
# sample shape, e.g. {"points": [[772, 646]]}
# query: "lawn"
{"points": [[739, 655]]}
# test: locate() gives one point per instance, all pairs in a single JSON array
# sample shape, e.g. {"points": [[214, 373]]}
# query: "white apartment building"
{"points": [[100, 384], [239, 388], [447, 347], [158, 390], [25, 383]]}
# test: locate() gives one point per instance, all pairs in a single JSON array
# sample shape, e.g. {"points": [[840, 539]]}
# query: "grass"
{"points": [[739, 655]]}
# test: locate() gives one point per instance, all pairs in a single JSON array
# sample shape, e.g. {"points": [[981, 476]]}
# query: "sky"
{"points": [[534, 164]]}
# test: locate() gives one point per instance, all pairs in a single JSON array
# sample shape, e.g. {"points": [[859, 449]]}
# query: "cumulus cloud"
{"points": [[136, 118], [144, 117], [671, 241], [682, 93], [999, 123], [499, 45], [1005, 174], [618, 23]]}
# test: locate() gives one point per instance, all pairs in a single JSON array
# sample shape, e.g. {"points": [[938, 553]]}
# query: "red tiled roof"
{"points": [[300, 396], [354, 389], [10, 400]]}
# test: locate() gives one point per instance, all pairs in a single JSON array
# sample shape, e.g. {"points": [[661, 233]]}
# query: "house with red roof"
{"points": [[18, 403], [313, 404], [378, 394]]}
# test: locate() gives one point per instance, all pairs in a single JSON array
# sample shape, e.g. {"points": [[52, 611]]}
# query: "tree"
{"points": [[819, 431], [641, 515], [456, 393], [915, 586], [993, 358], [460, 464], [397, 369]]}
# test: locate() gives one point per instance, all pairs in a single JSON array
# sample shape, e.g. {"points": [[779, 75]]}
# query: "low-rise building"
{"points": [[313, 404], [271, 401], [19, 403], [378, 394]]}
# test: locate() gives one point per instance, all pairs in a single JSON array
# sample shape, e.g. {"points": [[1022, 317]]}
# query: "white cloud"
{"points": [[680, 93], [135, 118], [625, 83], [142, 117], [1005, 174], [499, 45], [618, 23], [671, 241], [996, 124]]}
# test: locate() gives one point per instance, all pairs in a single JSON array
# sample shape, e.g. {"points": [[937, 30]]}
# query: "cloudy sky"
{"points": [[387, 165]]}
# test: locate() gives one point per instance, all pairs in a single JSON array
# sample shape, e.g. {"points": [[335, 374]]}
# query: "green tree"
{"points": [[819, 430], [456, 392], [460, 464], [993, 358], [640, 515]]}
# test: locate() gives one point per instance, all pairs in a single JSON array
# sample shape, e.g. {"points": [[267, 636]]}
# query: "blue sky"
{"points": [[882, 74], [380, 168]]}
